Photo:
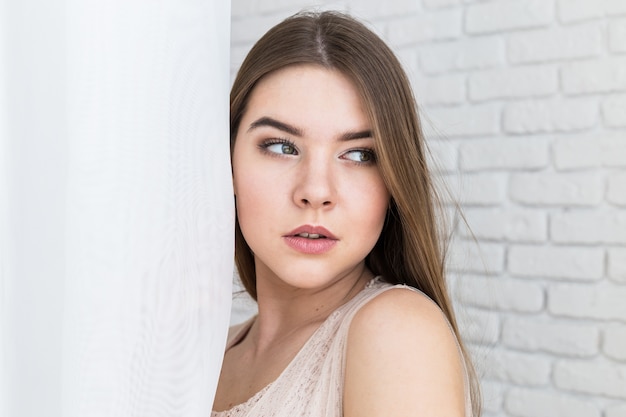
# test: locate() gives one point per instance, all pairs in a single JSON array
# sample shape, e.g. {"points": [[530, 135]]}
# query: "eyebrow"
{"points": [[268, 121], [292, 130]]}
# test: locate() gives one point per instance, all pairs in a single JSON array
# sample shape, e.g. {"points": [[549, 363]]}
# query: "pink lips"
{"points": [[309, 246]]}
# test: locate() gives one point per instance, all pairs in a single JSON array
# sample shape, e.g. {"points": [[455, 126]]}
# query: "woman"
{"points": [[337, 236]]}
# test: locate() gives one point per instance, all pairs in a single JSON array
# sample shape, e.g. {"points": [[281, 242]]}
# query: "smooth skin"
{"points": [[304, 155]]}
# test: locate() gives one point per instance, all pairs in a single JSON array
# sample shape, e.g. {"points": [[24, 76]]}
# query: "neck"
{"points": [[285, 310]]}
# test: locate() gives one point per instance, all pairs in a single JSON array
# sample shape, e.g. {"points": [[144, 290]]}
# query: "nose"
{"points": [[315, 185]]}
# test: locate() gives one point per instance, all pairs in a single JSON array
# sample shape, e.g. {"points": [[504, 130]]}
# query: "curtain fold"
{"points": [[116, 206]]}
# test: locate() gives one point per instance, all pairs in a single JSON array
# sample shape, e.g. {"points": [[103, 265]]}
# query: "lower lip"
{"points": [[310, 246]]}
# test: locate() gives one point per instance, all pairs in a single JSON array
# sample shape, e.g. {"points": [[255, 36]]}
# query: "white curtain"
{"points": [[116, 206]]}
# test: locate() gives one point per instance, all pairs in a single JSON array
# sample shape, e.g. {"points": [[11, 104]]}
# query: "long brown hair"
{"points": [[410, 249]]}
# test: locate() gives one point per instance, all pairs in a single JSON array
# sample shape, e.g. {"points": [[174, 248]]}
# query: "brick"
{"points": [[589, 227], [518, 367], [499, 16], [500, 293], [598, 301], [513, 83], [408, 60], [617, 35], [591, 377], [596, 76], [556, 44], [571, 189], [550, 335], [462, 55], [371, 9], [551, 115], [616, 189], [425, 27], [492, 395], [510, 224], [480, 120], [577, 10], [617, 265], [614, 7], [615, 410], [614, 111], [443, 156], [446, 89], [574, 263], [433, 4], [592, 152], [476, 189], [508, 154], [527, 402], [479, 326], [467, 256], [614, 345]]}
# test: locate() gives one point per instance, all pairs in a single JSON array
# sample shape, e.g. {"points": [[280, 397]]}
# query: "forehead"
{"points": [[307, 94]]}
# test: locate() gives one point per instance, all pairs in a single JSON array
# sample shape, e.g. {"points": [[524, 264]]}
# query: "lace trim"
{"points": [[241, 409]]}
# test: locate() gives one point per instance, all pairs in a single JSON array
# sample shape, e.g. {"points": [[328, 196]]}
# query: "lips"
{"points": [[310, 240], [312, 232]]}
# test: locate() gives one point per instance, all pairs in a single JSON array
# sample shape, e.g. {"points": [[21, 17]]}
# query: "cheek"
{"points": [[258, 201], [248, 196], [372, 200], [380, 206]]}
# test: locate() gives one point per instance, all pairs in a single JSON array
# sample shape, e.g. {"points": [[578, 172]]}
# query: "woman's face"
{"points": [[310, 199]]}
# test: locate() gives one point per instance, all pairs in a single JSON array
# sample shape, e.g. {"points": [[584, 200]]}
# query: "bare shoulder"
{"points": [[402, 359]]}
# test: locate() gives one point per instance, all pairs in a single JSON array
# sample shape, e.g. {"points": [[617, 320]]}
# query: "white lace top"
{"points": [[312, 383]]}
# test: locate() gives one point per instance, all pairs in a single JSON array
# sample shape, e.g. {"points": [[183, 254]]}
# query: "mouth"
{"points": [[311, 240], [312, 232], [311, 235]]}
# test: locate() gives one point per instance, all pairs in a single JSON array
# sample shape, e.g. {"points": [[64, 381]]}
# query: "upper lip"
{"points": [[319, 230]]}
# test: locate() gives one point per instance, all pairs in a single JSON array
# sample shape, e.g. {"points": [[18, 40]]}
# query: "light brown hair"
{"points": [[410, 249]]}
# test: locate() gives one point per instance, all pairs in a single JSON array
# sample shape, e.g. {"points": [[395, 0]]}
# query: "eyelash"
{"points": [[280, 141], [367, 151], [276, 141]]}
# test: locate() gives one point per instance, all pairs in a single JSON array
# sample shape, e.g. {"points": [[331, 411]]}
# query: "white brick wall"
{"points": [[599, 377], [525, 402], [617, 265], [559, 262], [503, 15], [614, 108], [590, 151], [553, 336], [550, 115], [466, 54], [512, 83], [524, 105], [615, 342], [604, 75], [543, 45]]}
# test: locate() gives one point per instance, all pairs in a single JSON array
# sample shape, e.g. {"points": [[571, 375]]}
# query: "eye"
{"points": [[363, 156], [280, 147]]}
